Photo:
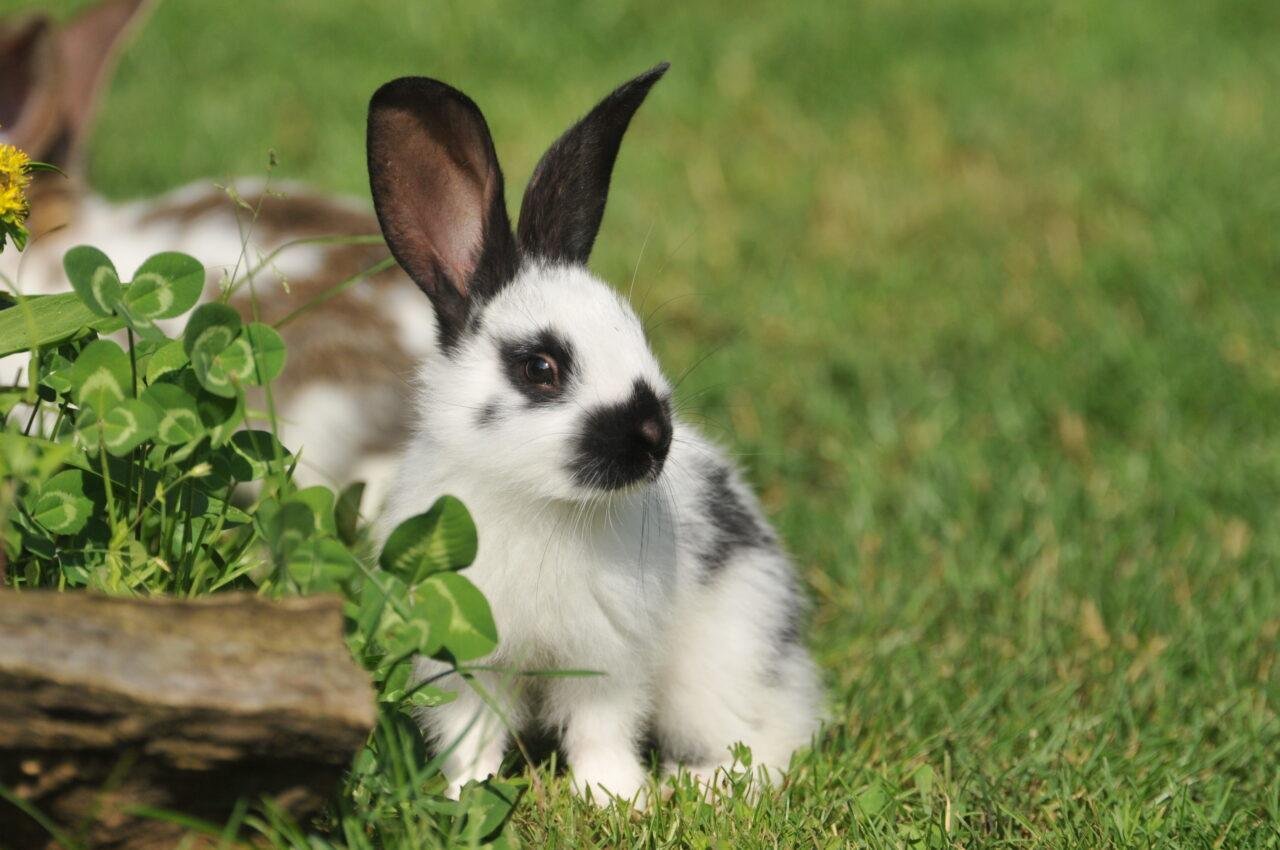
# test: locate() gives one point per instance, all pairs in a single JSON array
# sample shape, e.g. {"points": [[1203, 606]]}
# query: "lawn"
{"points": [[989, 299]]}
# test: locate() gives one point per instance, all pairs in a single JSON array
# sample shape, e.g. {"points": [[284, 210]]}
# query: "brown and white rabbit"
{"points": [[341, 397], [613, 536]]}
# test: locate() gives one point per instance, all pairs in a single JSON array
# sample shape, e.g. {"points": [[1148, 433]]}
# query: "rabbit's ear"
{"points": [[52, 78], [88, 46], [30, 114], [564, 204], [437, 189]]}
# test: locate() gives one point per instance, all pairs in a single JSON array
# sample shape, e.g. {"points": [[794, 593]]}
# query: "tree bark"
{"points": [[186, 706]]}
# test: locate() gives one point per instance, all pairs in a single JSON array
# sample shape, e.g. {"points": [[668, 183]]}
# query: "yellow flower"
{"points": [[14, 180]]}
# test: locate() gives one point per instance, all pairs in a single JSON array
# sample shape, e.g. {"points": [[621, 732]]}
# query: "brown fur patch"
{"points": [[278, 217], [346, 341]]}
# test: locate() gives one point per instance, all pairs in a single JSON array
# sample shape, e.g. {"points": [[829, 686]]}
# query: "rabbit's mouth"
{"points": [[623, 444]]}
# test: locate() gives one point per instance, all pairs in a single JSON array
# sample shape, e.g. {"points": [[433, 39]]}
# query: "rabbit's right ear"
{"points": [[89, 45], [30, 114], [52, 78], [437, 189]]}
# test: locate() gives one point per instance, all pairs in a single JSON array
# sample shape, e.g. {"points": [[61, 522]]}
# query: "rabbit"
{"points": [[612, 536], [341, 397]]}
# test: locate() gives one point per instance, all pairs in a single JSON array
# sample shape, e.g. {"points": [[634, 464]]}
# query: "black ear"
{"points": [[564, 204], [437, 189]]}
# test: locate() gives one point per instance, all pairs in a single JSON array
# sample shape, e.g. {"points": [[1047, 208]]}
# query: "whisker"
{"points": [[659, 308], [636, 271], [699, 362], [645, 299], [707, 420]]}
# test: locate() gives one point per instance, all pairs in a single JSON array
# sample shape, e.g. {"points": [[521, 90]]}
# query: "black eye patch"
{"points": [[517, 355]]}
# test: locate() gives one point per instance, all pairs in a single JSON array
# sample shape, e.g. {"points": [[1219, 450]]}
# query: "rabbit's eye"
{"points": [[542, 370], [539, 366]]}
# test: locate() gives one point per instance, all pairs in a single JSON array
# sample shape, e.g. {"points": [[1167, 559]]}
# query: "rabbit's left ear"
{"points": [[52, 78], [89, 45], [564, 203], [437, 190], [30, 113]]}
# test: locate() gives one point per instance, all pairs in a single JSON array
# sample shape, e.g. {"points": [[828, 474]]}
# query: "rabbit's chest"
{"points": [[580, 601]]}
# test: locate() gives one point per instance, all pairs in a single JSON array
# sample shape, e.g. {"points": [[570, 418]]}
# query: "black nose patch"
{"points": [[623, 443]]}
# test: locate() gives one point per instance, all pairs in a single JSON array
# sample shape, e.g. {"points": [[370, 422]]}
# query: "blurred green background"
{"points": [[989, 295]]}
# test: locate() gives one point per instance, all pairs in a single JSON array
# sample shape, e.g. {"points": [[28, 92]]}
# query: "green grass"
{"points": [[994, 294]]}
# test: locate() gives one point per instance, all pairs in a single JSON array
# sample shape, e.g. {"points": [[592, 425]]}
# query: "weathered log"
{"points": [[108, 705]]}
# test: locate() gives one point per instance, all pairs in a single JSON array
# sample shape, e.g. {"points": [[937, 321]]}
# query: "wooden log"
{"points": [[187, 706]]}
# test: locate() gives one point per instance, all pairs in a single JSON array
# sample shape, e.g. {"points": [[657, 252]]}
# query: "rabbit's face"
{"points": [[542, 379], [553, 389]]}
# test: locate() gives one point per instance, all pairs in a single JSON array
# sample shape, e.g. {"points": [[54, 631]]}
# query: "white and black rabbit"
{"points": [[613, 537]]}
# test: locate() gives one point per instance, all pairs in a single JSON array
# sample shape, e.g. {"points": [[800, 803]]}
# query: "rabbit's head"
{"points": [[541, 380]]}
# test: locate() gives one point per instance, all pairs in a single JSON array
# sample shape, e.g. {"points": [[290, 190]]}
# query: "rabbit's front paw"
{"points": [[603, 776]]}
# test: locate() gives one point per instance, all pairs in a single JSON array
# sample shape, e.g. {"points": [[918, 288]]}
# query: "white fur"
{"points": [[586, 579]]}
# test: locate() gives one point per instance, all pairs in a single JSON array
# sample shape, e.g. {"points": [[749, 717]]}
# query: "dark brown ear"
{"points": [[89, 45], [437, 189], [564, 203], [30, 114]]}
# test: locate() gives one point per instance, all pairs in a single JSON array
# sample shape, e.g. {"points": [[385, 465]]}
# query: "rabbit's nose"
{"points": [[651, 430], [655, 432], [623, 443]]}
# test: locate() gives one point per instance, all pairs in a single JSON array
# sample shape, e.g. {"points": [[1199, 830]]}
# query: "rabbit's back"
{"points": [[342, 398]]}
